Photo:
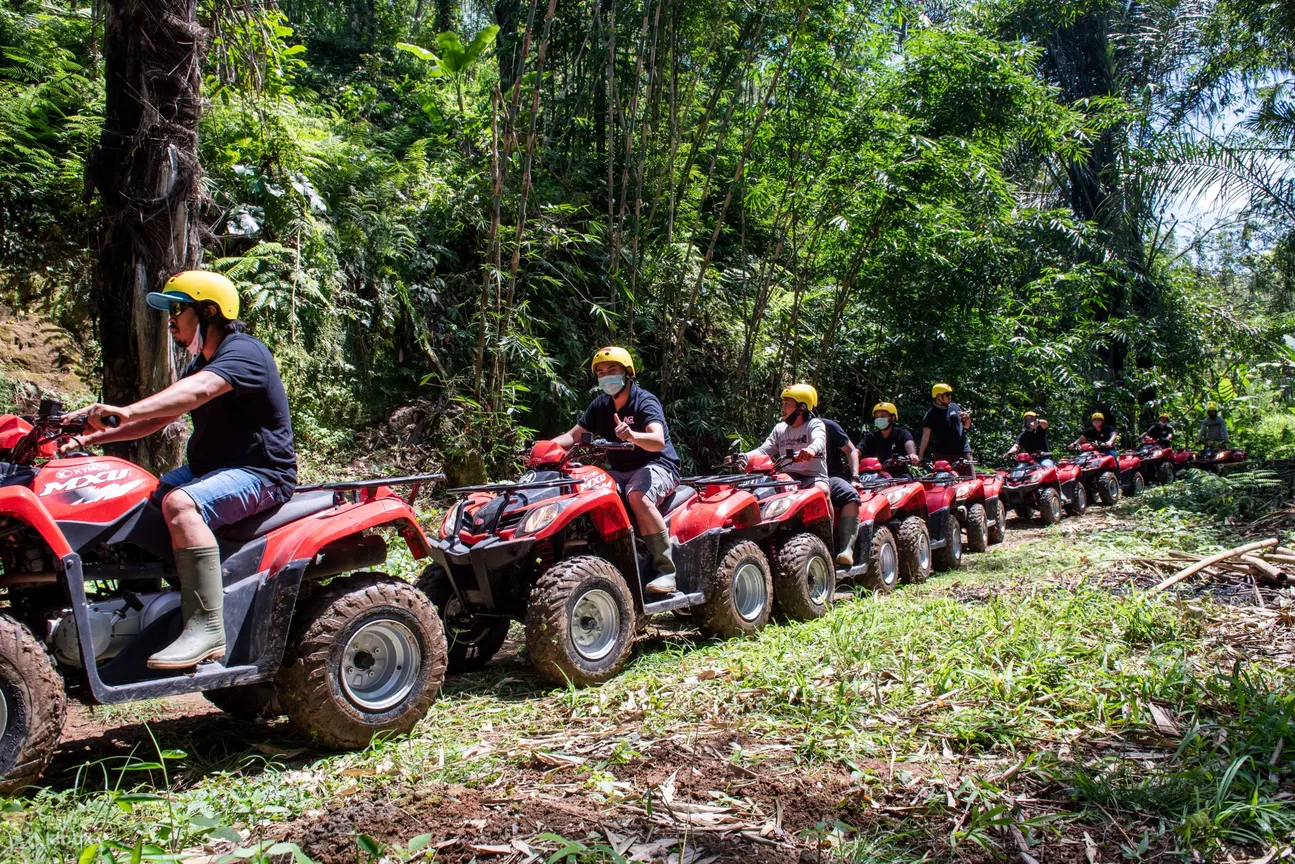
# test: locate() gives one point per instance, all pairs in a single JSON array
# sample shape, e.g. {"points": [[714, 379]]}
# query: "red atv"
{"points": [[1157, 462], [87, 563], [921, 518], [798, 540], [1104, 475], [558, 551], [975, 497], [1029, 486], [1220, 460]]}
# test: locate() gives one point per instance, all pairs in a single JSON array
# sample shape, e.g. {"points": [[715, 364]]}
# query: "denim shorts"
{"points": [[223, 497], [656, 482]]}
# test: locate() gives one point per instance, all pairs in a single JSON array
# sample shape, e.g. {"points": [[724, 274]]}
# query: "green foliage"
{"points": [[1245, 496]]}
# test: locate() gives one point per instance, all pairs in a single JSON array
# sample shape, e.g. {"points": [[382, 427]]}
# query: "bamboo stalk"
{"points": [[1213, 559]]}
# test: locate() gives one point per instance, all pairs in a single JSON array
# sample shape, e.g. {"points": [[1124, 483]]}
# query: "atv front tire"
{"points": [[949, 556], [1079, 503], [32, 707], [580, 622], [257, 701], [1025, 514], [1164, 473], [472, 642], [977, 528], [914, 542], [1108, 489], [996, 513], [804, 577], [739, 594], [366, 655], [1049, 506], [1137, 485], [883, 563]]}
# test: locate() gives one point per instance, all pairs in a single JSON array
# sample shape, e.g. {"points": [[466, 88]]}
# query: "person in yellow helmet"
{"points": [[888, 441], [1033, 439], [944, 430], [1100, 433], [1161, 432], [649, 473], [240, 459], [804, 437], [1214, 429]]}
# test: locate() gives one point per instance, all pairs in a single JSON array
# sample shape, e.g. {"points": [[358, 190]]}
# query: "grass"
{"points": [[1014, 696]]}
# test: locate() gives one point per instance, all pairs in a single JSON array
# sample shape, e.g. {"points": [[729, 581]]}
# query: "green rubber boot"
{"points": [[202, 601], [662, 563], [846, 532]]}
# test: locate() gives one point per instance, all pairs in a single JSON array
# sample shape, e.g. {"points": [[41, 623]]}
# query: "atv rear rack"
{"points": [[517, 487], [341, 487]]}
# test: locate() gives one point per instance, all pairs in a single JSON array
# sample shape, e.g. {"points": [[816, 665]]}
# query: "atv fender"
{"points": [[730, 508], [20, 503], [605, 508], [302, 540]]}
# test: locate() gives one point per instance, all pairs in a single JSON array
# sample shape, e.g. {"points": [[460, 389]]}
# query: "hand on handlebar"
{"points": [[804, 456], [98, 416]]}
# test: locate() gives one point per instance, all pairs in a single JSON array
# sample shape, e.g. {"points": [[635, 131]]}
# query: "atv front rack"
{"points": [[517, 487]]}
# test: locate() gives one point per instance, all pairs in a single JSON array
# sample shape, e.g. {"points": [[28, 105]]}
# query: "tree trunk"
{"points": [[146, 171], [508, 15], [445, 15]]}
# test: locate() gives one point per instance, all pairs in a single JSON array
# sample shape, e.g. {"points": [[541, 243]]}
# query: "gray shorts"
{"points": [[655, 481]]}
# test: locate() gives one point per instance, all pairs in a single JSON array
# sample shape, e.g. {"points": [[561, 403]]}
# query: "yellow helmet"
{"points": [[1031, 414], [1164, 415], [940, 389], [197, 286], [1097, 415], [1211, 406], [612, 354], [802, 393], [888, 407]]}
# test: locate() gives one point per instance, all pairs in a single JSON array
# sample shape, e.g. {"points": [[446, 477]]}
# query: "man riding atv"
{"points": [[1161, 431], [890, 442], [804, 437], [649, 473], [240, 458], [1100, 434], [945, 428], [1214, 429], [1034, 439], [842, 455]]}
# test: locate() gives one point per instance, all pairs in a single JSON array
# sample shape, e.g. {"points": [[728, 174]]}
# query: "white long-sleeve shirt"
{"points": [[810, 436]]}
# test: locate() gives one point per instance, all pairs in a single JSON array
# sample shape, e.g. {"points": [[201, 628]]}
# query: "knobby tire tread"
{"points": [[907, 541], [718, 616], [977, 528], [873, 577], [790, 577], [548, 638], [28, 666]]}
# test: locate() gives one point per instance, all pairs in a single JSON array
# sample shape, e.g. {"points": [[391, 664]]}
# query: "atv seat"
{"points": [[300, 506], [676, 500]]}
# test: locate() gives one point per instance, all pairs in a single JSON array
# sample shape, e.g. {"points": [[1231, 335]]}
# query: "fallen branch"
{"points": [[1213, 559], [1269, 574]]}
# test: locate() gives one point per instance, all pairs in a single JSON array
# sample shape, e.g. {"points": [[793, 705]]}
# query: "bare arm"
{"points": [[137, 419], [126, 432], [567, 440], [653, 440], [852, 453], [926, 439]]}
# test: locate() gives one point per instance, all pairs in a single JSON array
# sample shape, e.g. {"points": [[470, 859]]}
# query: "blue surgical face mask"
{"points": [[612, 384], [881, 422]]}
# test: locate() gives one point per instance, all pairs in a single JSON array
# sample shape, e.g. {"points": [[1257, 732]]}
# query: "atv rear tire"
{"points": [[977, 528], [580, 622], [1049, 506], [366, 622], [32, 707], [1079, 503], [471, 642], [804, 577], [1108, 489], [996, 513], [949, 556], [739, 593], [247, 701], [914, 543], [883, 563], [1164, 473]]}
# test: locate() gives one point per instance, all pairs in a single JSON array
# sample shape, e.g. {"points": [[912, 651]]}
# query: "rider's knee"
{"points": [[177, 503]]}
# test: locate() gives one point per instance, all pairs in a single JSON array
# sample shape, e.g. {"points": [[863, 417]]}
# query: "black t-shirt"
{"points": [[248, 427], [1033, 441], [887, 447], [1160, 434], [836, 439], [947, 433], [641, 409], [1099, 438]]}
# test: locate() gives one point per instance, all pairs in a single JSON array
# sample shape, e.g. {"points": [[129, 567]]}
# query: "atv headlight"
{"points": [[776, 507], [451, 519], [540, 518], [963, 492], [894, 496]]}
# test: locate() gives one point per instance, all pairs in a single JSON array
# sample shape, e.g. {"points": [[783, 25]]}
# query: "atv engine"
{"points": [[113, 624]]}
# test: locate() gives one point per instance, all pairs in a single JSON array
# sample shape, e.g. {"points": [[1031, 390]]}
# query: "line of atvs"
{"points": [[316, 631]]}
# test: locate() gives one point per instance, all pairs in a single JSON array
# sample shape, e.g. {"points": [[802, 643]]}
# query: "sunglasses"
{"points": [[178, 307]]}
